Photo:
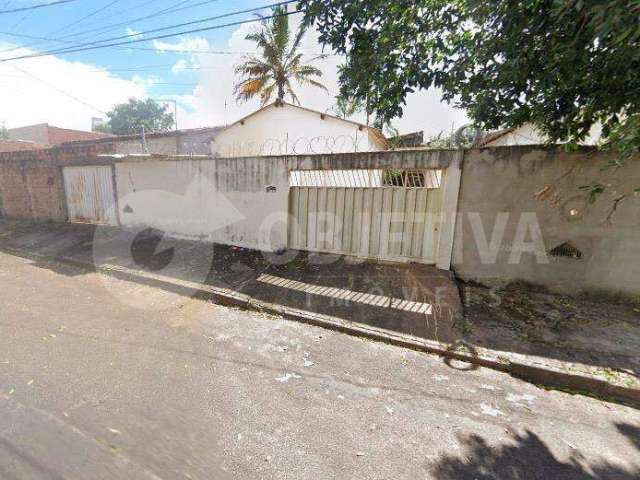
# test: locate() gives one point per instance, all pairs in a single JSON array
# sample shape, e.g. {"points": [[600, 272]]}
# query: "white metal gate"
{"points": [[90, 194], [397, 221]]}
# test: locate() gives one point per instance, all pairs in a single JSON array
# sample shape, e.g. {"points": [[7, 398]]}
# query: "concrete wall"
{"points": [[239, 202], [235, 201], [186, 142], [288, 130], [498, 198]]}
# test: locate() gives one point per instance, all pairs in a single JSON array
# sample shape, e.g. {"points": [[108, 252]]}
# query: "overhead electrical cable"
{"points": [[89, 15], [100, 44], [171, 9], [185, 24], [51, 85], [33, 7]]}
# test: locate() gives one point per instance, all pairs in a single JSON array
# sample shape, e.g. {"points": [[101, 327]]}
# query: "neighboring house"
{"points": [[281, 128], [408, 140], [527, 134], [194, 141], [19, 146], [276, 129], [46, 134]]}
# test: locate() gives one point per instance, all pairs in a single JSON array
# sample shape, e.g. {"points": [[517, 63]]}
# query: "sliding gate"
{"points": [[382, 214]]}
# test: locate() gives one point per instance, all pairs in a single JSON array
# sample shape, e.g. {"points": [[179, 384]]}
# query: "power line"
{"points": [[159, 37], [113, 26], [172, 9], [148, 49], [40, 5], [89, 15], [172, 27], [51, 85]]}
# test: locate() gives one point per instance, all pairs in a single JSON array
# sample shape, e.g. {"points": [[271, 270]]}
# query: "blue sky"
{"points": [[68, 89]]}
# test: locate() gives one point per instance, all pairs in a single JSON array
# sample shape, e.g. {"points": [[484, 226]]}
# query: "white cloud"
{"points": [[134, 33], [25, 100], [180, 66], [88, 91], [213, 103], [188, 43]]}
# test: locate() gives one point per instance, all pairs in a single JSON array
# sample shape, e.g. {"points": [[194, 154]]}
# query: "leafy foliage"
{"points": [[347, 107], [564, 66], [133, 116], [103, 128], [278, 66], [4, 133]]}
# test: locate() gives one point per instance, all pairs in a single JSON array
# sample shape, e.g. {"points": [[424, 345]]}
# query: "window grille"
{"points": [[414, 178]]}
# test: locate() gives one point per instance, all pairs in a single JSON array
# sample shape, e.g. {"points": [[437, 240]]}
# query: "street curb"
{"points": [[515, 365]]}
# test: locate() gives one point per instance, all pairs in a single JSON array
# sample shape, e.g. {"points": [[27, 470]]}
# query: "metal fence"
{"points": [[295, 146]]}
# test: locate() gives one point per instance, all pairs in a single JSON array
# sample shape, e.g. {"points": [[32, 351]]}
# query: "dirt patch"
{"points": [[527, 320]]}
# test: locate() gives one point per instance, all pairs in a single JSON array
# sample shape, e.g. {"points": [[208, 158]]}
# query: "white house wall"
{"points": [[527, 134], [207, 200], [292, 130]]}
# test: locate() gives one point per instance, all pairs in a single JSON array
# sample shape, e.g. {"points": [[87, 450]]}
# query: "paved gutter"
{"points": [[570, 377]]}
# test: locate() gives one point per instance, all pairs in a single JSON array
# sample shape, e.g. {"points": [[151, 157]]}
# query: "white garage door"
{"points": [[90, 195], [388, 215]]}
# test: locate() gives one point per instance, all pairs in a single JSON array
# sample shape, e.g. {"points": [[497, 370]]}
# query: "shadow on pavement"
{"points": [[528, 457], [406, 298]]}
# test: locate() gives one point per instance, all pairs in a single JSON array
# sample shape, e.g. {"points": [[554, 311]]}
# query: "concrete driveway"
{"points": [[104, 378]]}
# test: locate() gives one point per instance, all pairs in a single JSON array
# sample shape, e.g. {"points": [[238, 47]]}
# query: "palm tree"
{"points": [[279, 64]]}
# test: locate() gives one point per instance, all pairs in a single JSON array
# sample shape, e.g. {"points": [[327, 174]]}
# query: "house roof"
{"points": [[50, 135], [492, 136], [374, 131], [19, 146], [136, 136], [413, 139], [59, 135]]}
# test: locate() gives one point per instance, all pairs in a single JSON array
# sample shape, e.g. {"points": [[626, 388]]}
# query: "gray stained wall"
{"points": [[522, 214], [517, 199]]}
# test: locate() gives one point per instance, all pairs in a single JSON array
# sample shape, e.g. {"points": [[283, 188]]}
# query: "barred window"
{"points": [[413, 178]]}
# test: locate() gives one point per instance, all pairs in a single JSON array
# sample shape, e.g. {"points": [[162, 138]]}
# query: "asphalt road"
{"points": [[104, 378]]}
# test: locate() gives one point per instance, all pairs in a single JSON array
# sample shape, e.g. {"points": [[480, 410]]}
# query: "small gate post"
{"points": [[452, 178]]}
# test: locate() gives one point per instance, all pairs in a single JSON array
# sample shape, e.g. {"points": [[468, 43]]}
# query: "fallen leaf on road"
{"points": [[114, 431], [11, 391], [30, 382]]}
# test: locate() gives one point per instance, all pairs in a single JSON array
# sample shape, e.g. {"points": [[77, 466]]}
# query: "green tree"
{"points": [[561, 65], [346, 107], [279, 64], [4, 133], [133, 116], [103, 128]]}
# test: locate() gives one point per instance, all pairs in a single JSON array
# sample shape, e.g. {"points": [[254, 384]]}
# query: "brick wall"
{"points": [[46, 192], [14, 197], [31, 183]]}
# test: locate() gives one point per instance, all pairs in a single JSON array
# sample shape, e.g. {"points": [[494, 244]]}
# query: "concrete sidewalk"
{"points": [[415, 306], [412, 299]]}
